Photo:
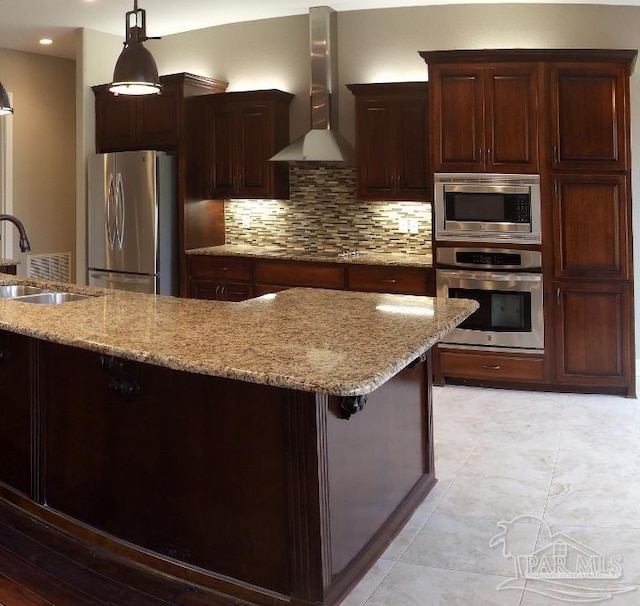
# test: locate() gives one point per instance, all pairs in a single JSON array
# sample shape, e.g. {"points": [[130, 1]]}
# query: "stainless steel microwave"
{"points": [[487, 207]]}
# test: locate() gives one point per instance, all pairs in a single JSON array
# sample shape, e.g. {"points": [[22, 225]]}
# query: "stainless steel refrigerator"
{"points": [[132, 222]]}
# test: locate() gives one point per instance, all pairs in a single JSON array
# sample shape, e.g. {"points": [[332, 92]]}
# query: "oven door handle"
{"points": [[487, 276]]}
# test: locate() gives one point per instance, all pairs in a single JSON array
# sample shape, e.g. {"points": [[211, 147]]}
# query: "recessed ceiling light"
{"points": [[46, 41]]}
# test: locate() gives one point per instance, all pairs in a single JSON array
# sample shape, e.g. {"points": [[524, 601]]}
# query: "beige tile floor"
{"points": [[564, 465]]}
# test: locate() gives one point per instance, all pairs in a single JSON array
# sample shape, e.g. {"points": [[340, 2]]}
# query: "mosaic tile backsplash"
{"points": [[324, 215]]}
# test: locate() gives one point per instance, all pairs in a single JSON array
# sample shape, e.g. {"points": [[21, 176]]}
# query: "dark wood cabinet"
{"points": [[238, 278], [244, 130], [564, 113], [392, 141], [393, 279], [16, 410], [483, 117], [589, 116], [150, 121], [480, 366], [593, 334], [591, 226], [272, 275], [590, 218], [219, 278]]}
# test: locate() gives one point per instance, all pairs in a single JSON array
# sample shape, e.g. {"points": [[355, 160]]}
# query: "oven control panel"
{"points": [[489, 258]]}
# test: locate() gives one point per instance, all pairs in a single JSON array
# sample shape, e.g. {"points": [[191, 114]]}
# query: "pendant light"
{"points": [[136, 72], [5, 105]]}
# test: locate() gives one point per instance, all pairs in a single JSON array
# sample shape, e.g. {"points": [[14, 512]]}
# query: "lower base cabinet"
{"points": [[592, 328], [483, 366]]}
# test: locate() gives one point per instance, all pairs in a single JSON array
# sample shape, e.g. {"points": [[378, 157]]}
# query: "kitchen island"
{"points": [[268, 449]]}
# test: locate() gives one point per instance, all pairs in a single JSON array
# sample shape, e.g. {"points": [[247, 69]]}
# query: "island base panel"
{"points": [[261, 493]]}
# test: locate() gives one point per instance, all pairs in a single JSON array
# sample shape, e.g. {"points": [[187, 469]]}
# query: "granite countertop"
{"points": [[7, 262], [362, 258], [336, 342]]}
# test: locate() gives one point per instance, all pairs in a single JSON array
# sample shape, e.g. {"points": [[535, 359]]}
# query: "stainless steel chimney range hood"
{"points": [[323, 143]]}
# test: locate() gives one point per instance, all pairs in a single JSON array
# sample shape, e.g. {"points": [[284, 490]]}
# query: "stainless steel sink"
{"points": [[51, 298], [10, 291]]}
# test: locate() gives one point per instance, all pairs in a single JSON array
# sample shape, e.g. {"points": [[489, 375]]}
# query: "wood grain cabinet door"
{"points": [[589, 116], [590, 214], [511, 118], [592, 333], [115, 120], [457, 97], [253, 149], [413, 181], [392, 141], [375, 149]]}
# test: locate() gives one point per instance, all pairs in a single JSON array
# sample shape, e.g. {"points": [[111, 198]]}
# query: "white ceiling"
{"points": [[24, 22]]}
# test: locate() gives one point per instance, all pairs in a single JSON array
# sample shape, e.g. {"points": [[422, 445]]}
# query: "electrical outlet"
{"points": [[246, 221], [403, 226], [414, 226]]}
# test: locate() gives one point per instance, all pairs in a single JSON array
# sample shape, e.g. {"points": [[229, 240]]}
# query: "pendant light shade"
{"points": [[136, 72], [5, 105]]}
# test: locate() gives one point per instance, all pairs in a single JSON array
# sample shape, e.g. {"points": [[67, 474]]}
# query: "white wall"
{"points": [[43, 147], [381, 45]]}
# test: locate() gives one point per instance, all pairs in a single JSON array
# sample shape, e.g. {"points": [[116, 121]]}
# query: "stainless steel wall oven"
{"points": [[508, 285]]}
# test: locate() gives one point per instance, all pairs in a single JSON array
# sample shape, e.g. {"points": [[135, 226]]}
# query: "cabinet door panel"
{"points": [[375, 160], [252, 125], [158, 119], [589, 117], [115, 121], [457, 118], [414, 182], [590, 225], [222, 166], [592, 331], [512, 118]]}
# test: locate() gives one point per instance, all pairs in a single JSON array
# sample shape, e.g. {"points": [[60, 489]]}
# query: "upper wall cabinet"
{"points": [[150, 121], [392, 141], [244, 130], [589, 116], [483, 117]]}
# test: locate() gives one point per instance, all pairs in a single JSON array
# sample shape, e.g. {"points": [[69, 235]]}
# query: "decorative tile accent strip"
{"points": [[323, 214]]}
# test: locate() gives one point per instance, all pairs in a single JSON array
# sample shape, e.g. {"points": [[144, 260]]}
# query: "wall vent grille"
{"points": [[52, 266]]}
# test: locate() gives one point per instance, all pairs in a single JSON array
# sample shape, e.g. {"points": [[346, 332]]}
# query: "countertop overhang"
{"points": [[336, 342]]}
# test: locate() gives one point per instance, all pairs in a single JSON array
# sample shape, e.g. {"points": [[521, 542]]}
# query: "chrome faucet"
{"points": [[24, 242]]}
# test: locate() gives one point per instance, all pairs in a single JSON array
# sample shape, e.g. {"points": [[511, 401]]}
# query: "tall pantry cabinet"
{"points": [[564, 114], [590, 181]]}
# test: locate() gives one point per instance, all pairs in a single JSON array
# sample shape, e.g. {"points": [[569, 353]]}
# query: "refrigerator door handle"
{"points": [[120, 211], [109, 210]]}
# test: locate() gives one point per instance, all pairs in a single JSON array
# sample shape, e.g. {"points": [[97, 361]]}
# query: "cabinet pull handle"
{"points": [[491, 366], [224, 269], [555, 154], [388, 280], [218, 292], [558, 298]]}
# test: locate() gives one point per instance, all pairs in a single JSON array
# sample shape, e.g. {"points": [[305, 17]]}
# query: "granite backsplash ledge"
{"points": [[323, 214]]}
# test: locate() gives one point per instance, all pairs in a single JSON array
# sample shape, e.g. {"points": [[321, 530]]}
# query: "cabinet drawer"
{"points": [[410, 280], [295, 273], [493, 367], [216, 268]]}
